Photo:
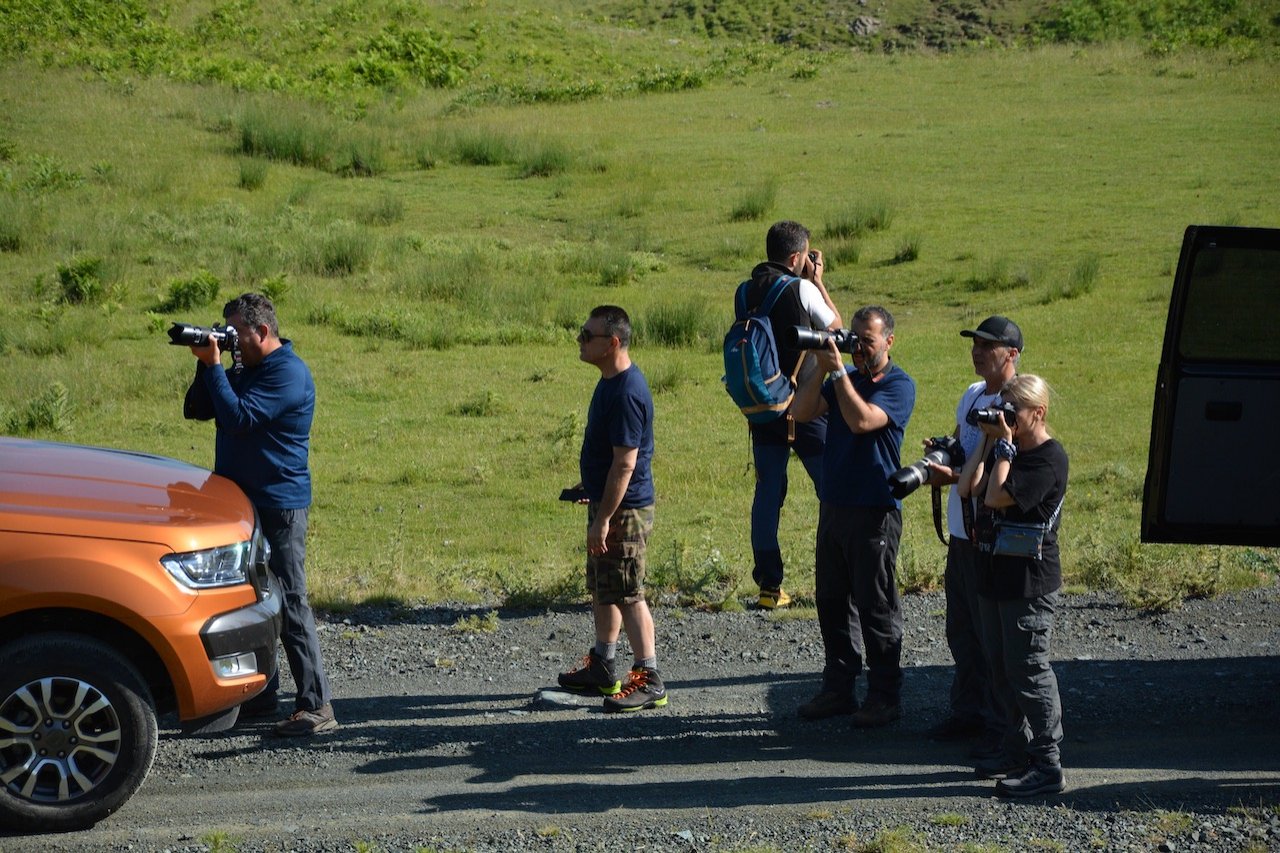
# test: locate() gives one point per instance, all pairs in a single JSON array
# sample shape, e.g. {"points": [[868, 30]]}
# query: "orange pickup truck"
{"points": [[131, 585]]}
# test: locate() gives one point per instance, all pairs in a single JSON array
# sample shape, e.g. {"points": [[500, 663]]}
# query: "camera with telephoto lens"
{"points": [[945, 451], [992, 415], [187, 335], [802, 337]]}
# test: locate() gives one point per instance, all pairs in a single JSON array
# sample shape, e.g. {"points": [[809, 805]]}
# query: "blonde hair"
{"points": [[1026, 390]]}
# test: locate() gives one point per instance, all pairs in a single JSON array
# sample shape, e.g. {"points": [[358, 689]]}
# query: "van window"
{"points": [[1231, 307]]}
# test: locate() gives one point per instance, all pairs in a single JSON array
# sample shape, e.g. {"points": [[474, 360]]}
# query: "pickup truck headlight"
{"points": [[224, 566]]}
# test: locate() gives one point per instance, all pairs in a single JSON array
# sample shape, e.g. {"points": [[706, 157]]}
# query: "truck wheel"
{"points": [[77, 732]]}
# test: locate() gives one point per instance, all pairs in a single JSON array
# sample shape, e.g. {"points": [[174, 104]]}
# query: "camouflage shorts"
{"points": [[617, 576]]}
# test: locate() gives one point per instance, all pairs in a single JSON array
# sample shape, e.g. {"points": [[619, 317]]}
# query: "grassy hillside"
{"points": [[433, 247]]}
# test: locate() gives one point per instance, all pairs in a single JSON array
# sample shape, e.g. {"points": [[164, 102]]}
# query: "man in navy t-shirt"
{"points": [[617, 447], [859, 521]]}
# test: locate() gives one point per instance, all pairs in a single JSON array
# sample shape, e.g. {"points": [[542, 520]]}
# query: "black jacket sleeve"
{"points": [[198, 404]]}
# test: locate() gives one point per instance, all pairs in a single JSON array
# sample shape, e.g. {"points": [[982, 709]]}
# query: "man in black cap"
{"points": [[997, 345]]}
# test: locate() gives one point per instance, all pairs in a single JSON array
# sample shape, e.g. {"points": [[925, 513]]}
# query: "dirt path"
{"points": [[1172, 737]]}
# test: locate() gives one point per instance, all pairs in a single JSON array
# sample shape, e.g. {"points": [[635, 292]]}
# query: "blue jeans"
{"points": [[771, 453], [286, 532]]}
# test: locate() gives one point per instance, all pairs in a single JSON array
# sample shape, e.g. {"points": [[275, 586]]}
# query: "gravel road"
{"points": [[1171, 745]]}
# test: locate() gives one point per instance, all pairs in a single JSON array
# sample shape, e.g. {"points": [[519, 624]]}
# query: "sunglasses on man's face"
{"points": [[586, 336]]}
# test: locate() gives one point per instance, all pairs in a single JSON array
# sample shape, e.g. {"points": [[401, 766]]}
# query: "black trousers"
{"points": [[859, 612]]}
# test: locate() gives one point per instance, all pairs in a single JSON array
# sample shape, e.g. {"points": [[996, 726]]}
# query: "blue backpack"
{"points": [[752, 370]]}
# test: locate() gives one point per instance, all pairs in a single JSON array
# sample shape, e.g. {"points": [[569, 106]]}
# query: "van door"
{"points": [[1213, 471]]}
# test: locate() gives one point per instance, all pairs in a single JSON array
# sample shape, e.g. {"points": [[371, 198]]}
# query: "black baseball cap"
{"points": [[1002, 330]]}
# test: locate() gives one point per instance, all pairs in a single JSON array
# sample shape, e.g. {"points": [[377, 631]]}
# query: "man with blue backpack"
{"points": [[784, 291]]}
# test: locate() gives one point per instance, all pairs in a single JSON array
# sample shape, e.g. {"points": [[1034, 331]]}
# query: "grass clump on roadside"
{"points": [[696, 575], [476, 623]]}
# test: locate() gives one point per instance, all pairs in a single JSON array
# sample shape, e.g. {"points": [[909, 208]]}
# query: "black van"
{"points": [[1213, 474]]}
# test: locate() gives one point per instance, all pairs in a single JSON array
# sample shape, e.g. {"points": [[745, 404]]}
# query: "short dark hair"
{"points": [[255, 310], [784, 239], [616, 322], [868, 311]]}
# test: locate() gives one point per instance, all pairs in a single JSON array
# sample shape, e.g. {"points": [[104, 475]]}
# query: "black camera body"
{"points": [[946, 451], [802, 337], [992, 415], [187, 335]]}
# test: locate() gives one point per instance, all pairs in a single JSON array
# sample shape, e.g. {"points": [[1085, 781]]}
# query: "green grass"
{"points": [[434, 249]]}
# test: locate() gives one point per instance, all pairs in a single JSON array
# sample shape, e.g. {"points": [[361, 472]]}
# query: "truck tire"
{"points": [[77, 732]]}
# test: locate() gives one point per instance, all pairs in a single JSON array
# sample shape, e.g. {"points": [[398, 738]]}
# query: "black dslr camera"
{"points": [[802, 337], [992, 415], [187, 335], [946, 451]]}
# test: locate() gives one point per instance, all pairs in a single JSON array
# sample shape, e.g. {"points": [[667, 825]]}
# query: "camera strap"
{"points": [[937, 514]]}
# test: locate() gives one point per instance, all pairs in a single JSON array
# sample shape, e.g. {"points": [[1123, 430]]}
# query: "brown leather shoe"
{"points": [[828, 703], [302, 723], [876, 712]]}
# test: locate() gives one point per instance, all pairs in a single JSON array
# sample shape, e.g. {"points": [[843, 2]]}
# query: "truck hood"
{"points": [[71, 490]]}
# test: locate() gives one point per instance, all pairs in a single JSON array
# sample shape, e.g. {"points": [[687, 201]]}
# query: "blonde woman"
{"points": [[1017, 480]]}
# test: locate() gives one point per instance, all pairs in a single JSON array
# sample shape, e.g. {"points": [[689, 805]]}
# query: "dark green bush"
{"points": [[80, 280], [194, 292]]}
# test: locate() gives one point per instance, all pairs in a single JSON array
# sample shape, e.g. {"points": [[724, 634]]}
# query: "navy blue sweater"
{"points": [[264, 427]]}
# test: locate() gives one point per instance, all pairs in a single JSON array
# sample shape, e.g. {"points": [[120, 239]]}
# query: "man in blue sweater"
{"points": [[263, 412]]}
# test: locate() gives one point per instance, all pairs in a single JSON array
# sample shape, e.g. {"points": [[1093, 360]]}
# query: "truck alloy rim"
{"points": [[59, 738]]}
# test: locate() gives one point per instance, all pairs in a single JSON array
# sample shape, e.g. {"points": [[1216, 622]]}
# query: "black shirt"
{"points": [[1037, 482]]}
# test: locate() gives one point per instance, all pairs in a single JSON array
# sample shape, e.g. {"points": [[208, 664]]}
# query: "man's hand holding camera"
{"points": [[210, 355], [812, 268]]}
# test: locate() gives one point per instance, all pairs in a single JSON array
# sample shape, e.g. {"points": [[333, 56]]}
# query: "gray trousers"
{"points": [[286, 532], [971, 697], [1016, 635]]}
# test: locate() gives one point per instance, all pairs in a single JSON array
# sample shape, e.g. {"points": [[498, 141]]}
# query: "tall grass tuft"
{"points": [[846, 252], [482, 148], [361, 157], [617, 267], [288, 134], [253, 173], [683, 323], [339, 249], [542, 159], [859, 219], [387, 209], [17, 222], [755, 203], [908, 251], [995, 275], [1082, 280]]}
